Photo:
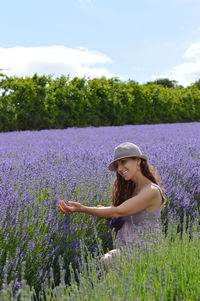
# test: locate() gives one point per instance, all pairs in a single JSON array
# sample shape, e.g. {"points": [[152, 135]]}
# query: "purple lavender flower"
{"points": [[17, 286], [38, 168]]}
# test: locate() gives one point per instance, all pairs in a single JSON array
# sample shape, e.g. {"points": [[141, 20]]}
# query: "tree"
{"points": [[196, 84], [165, 82]]}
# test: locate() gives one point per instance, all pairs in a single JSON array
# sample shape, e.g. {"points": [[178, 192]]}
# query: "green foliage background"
{"points": [[41, 102]]}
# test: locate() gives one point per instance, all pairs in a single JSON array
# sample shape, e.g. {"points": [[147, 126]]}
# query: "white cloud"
{"points": [[188, 72], [54, 60], [193, 51]]}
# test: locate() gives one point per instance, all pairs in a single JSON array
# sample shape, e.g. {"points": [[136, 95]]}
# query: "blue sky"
{"points": [[139, 40]]}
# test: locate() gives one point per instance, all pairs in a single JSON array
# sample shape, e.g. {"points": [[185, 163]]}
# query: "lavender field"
{"points": [[38, 168]]}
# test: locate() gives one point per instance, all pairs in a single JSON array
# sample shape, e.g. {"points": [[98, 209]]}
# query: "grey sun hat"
{"points": [[125, 150]]}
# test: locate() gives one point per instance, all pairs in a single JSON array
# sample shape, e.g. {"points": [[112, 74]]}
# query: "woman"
{"points": [[136, 196]]}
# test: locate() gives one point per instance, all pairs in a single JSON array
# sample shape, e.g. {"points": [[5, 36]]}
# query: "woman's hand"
{"points": [[74, 207]]}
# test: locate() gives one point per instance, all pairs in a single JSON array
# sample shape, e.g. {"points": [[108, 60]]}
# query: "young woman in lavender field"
{"points": [[137, 199]]}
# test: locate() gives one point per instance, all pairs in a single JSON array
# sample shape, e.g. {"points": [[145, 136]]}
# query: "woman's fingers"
{"points": [[64, 208], [74, 206]]}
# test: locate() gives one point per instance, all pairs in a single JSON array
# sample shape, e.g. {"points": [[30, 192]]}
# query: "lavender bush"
{"points": [[39, 168], [167, 270]]}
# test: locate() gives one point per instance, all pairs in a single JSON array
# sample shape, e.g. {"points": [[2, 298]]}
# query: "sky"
{"points": [[140, 40]]}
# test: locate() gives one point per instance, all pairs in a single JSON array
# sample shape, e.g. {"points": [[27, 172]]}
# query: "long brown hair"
{"points": [[122, 190]]}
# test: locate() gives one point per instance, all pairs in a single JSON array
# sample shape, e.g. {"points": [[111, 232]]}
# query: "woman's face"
{"points": [[128, 167]]}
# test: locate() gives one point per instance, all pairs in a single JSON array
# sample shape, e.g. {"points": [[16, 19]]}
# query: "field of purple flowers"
{"points": [[38, 168]]}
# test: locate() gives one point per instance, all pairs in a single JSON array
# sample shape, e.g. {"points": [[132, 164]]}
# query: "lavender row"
{"points": [[39, 168]]}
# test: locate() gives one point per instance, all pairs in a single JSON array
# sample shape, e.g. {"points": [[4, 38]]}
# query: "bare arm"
{"points": [[129, 207], [148, 197], [104, 212]]}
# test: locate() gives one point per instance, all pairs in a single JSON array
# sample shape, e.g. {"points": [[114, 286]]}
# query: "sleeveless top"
{"points": [[137, 226]]}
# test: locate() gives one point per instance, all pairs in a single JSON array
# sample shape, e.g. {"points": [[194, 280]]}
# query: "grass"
{"points": [[166, 270]]}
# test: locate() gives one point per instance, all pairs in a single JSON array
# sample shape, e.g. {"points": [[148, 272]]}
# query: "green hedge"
{"points": [[41, 102]]}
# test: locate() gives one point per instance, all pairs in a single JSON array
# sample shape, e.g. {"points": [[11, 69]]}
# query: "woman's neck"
{"points": [[142, 182]]}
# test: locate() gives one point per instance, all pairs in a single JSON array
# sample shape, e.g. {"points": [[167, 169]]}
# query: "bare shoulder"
{"points": [[154, 197], [149, 198]]}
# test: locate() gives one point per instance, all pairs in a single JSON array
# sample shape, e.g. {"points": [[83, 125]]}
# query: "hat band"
{"points": [[127, 155]]}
